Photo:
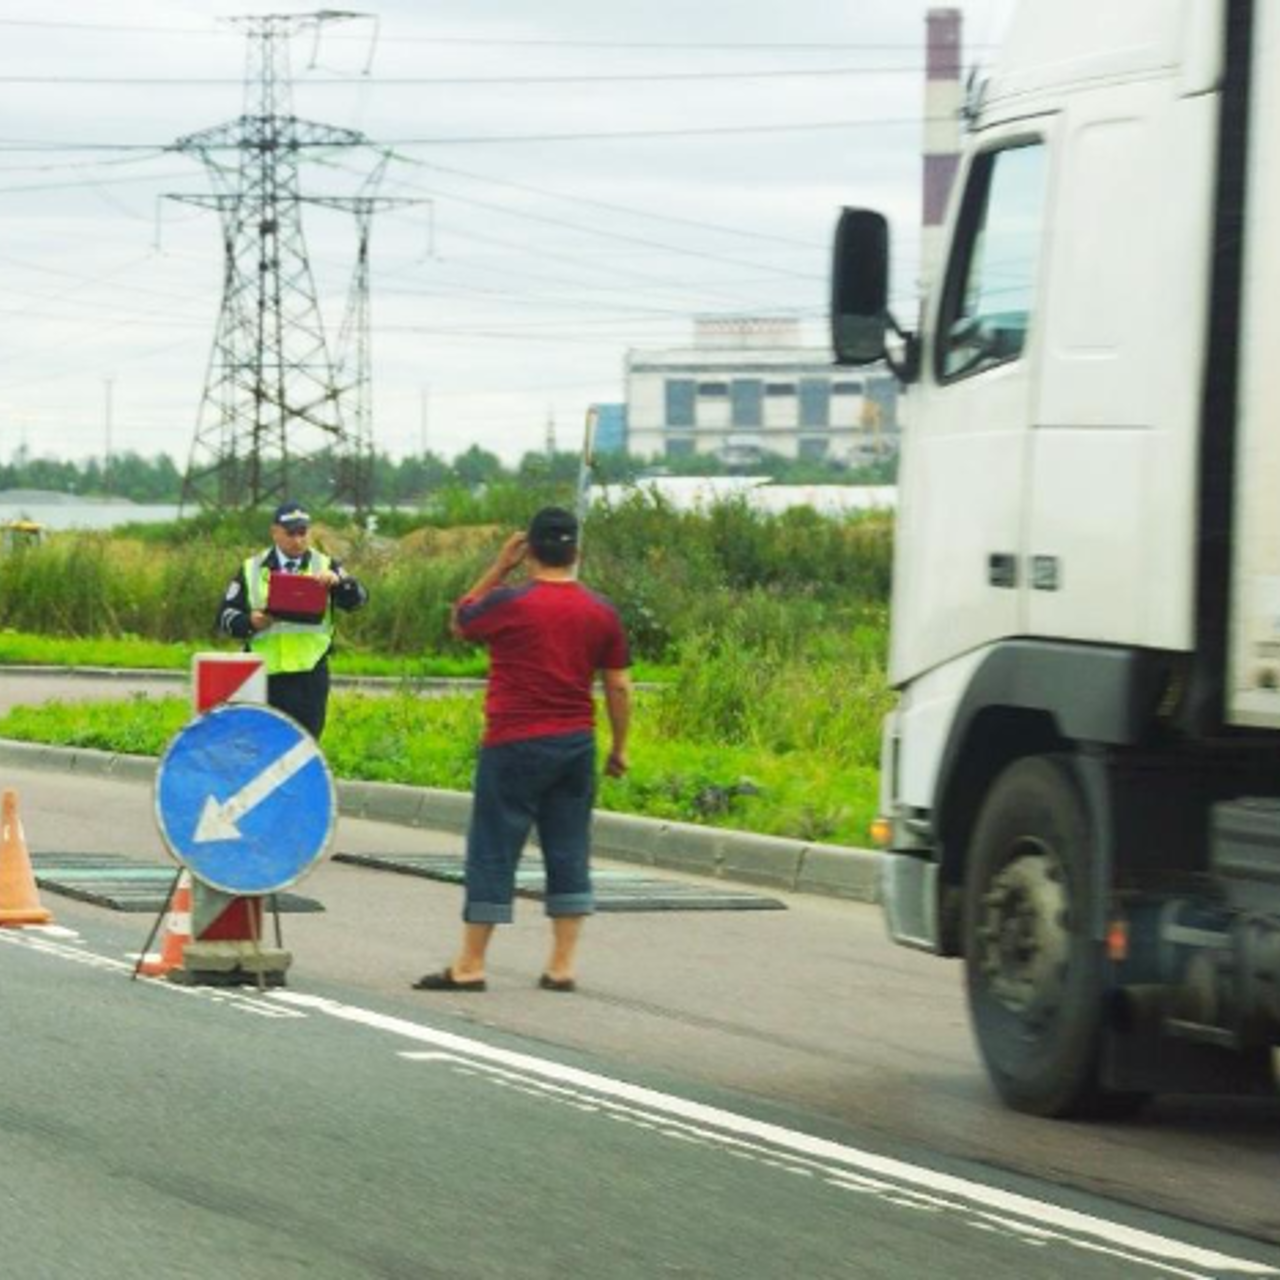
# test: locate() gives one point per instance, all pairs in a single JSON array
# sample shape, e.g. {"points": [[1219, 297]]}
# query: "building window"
{"points": [[846, 388], [680, 402], [812, 450], [748, 402], [679, 448], [716, 389], [815, 402], [775, 389]]}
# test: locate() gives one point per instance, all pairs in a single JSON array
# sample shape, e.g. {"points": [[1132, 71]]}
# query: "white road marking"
{"points": [[1013, 1229], [38, 940], [54, 931], [1097, 1234], [1032, 1222]]}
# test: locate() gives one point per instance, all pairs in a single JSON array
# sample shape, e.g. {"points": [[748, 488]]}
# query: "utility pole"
{"points": [[108, 385], [944, 99], [278, 405]]}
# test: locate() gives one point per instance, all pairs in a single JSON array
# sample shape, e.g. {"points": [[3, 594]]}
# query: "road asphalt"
{"points": [[810, 1007]]}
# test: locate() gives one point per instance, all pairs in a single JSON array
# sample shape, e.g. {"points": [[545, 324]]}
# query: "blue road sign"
{"points": [[245, 800]]}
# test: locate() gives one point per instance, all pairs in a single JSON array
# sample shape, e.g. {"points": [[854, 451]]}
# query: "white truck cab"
{"points": [[1083, 771]]}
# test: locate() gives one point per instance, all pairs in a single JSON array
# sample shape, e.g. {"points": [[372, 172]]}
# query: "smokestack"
{"points": [[943, 99]]}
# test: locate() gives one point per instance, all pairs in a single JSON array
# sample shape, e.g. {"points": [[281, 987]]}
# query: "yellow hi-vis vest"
{"points": [[287, 646]]}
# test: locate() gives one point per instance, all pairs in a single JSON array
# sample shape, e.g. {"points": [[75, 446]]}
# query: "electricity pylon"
{"points": [[277, 406]]}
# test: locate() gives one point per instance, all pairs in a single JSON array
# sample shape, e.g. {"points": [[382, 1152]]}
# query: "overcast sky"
{"points": [[542, 256]]}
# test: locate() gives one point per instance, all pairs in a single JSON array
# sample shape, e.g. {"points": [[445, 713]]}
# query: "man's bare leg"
{"points": [[469, 966], [565, 932]]}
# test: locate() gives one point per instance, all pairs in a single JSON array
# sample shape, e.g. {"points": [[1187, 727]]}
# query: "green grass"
{"points": [[24, 648], [137, 725], [132, 653], [432, 742], [768, 634]]}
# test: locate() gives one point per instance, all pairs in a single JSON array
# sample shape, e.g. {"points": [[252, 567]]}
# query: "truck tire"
{"points": [[1033, 968]]}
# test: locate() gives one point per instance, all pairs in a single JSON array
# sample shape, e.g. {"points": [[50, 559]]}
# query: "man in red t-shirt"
{"points": [[547, 639]]}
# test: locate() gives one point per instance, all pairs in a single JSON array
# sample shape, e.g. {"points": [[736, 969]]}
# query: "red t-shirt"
{"points": [[546, 642]]}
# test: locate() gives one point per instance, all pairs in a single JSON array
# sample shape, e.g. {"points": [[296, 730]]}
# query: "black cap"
{"points": [[290, 514], [553, 528]]}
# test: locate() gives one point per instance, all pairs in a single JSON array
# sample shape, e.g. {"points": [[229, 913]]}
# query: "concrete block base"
{"points": [[231, 964]]}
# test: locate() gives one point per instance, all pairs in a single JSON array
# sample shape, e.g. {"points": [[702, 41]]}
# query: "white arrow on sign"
{"points": [[218, 819]]}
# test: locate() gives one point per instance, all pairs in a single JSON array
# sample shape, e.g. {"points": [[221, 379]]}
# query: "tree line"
{"points": [[412, 479]]}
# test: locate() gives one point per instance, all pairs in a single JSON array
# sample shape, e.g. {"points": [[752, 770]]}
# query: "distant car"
{"points": [[18, 535]]}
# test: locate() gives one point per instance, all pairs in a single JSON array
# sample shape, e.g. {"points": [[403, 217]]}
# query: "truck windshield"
{"points": [[991, 283]]}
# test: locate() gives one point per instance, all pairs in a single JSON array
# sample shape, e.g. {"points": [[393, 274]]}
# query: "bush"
{"points": [[409, 606], [760, 680], [673, 575]]}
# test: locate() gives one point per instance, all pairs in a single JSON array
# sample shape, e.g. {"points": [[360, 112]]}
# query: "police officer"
{"points": [[295, 653]]}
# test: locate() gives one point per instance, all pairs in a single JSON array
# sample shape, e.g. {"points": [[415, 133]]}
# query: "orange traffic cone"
{"points": [[177, 933], [19, 900]]}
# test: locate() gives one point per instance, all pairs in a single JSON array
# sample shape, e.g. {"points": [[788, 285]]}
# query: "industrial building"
{"points": [[747, 388]]}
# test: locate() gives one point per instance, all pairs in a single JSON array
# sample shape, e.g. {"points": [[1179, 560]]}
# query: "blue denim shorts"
{"points": [[543, 783]]}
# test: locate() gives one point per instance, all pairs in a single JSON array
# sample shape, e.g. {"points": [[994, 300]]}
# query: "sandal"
{"points": [[548, 983], [445, 981]]}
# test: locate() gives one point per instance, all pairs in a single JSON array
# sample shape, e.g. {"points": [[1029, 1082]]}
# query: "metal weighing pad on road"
{"points": [[244, 800], [613, 890], [124, 884]]}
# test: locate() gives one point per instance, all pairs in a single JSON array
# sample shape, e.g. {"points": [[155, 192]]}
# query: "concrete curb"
{"points": [[834, 871], [94, 673], [165, 675], [168, 675]]}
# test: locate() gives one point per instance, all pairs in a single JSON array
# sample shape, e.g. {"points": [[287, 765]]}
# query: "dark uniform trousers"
{"points": [[304, 695]]}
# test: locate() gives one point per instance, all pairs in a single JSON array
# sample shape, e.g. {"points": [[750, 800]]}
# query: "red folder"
{"points": [[297, 597]]}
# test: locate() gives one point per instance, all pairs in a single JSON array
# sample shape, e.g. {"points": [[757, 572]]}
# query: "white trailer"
{"points": [[1083, 771]]}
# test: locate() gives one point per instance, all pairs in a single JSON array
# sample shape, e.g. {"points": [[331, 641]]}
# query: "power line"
{"points": [[479, 139], [584, 329], [631, 77], [81, 281], [89, 183], [203, 33], [702, 288], [607, 313], [860, 46], [612, 207], [616, 236], [705, 131], [645, 279], [61, 165], [27, 144], [540, 301], [115, 28]]}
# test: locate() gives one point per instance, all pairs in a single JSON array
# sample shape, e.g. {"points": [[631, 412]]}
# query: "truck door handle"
{"points": [[1046, 573], [1002, 569]]}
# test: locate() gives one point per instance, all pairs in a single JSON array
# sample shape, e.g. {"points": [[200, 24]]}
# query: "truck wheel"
{"points": [[1033, 969]]}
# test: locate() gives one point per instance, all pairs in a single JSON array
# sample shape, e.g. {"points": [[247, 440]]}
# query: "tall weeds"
{"points": [[673, 575], [775, 628], [760, 680]]}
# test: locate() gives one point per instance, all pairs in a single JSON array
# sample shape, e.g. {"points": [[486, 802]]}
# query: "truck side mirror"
{"points": [[860, 287], [860, 318]]}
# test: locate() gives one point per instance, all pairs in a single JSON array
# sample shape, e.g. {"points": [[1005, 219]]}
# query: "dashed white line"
{"points": [[48, 941], [1140, 1247], [1030, 1221]]}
